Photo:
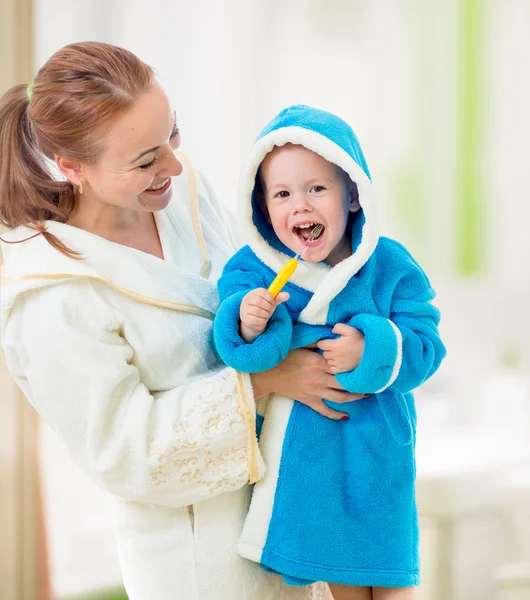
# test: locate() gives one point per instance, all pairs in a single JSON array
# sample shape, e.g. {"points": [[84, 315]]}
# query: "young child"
{"points": [[337, 501]]}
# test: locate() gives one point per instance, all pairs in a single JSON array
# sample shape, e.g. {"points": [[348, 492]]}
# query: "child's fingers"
{"points": [[342, 329], [258, 311], [281, 297], [263, 294], [333, 365], [326, 344], [329, 356], [259, 302], [255, 324]]}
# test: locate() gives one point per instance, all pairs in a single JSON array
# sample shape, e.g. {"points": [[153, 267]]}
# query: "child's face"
{"points": [[302, 189]]}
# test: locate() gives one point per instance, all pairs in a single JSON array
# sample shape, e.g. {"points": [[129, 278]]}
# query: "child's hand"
{"points": [[344, 353], [256, 310]]}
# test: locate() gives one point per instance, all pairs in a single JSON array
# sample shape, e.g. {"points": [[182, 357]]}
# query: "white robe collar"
{"points": [[144, 277]]}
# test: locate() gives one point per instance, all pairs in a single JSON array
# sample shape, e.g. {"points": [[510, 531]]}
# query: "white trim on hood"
{"points": [[325, 282]]}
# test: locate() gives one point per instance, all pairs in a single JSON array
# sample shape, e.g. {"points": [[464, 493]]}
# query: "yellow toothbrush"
{"points": [[290, 266]]}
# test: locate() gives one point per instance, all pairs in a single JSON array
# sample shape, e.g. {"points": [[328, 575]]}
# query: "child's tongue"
{"points": [[305, 233]]}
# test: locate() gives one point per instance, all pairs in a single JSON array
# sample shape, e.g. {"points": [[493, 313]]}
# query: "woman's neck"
{"points": [[98, 217], [136, 229]]}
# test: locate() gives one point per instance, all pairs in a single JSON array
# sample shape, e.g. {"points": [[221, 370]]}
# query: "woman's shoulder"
{"points": [[53, 304], [37, 278], [16, 243], [26, 250]]}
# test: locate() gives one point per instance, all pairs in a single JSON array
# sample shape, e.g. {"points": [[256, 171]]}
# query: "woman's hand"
{"points": [[304, 375]]}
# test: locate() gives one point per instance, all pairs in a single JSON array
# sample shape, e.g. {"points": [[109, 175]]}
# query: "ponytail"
{"points": [[29, 195]]}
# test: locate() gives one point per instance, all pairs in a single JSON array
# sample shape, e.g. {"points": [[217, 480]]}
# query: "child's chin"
{"points": [[315, 258]]}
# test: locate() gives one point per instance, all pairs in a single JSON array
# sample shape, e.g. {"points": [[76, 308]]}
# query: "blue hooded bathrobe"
{"points": [[337, 501]]}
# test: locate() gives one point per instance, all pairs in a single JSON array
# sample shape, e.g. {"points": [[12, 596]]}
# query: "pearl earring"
{"points": [[80, 187]]}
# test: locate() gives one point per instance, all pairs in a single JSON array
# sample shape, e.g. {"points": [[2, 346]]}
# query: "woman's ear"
{"points": [[354, 197], [71, 169]]}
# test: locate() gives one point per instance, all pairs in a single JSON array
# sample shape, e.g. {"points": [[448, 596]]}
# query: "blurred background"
{"points": [[438, 92]]}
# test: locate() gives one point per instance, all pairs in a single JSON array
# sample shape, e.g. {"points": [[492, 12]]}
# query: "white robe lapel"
{"points": [[171, 282]]}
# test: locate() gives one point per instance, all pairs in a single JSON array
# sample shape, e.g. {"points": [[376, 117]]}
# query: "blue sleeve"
{"points": [[267, 350], [402, 351]]}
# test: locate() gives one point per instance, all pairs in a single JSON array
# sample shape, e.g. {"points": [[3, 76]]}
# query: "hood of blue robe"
{"points": [[333, 139]]}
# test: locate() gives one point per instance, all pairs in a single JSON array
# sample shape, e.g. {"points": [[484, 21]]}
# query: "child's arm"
{"points": [[239, 345], [400, 352]]}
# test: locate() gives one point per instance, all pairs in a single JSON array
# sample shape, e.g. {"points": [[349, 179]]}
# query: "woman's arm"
{"points": [[175, 447]]}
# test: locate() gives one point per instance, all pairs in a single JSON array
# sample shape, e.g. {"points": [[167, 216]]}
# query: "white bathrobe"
{"points": [[115, 353]]}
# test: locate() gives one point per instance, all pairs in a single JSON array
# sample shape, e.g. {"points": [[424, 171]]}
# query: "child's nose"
{"points": [[301, 204]]}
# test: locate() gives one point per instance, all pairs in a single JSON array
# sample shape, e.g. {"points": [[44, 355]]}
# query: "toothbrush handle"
{"points": [[283, 277]]}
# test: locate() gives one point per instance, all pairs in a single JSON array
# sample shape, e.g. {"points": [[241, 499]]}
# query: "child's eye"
{"points": [[317, 188], [283, 194], [149, 164]]}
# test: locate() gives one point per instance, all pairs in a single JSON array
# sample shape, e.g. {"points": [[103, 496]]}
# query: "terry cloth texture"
{"points": [[337, 501]]}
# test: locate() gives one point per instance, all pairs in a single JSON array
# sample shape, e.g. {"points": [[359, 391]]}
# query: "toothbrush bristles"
{"points": [[315, 232]]}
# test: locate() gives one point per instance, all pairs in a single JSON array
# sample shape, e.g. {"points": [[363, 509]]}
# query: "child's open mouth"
{"points": [[309, 233]]}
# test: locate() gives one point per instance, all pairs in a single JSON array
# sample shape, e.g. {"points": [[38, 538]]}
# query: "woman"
{"points": [[109, 288]]}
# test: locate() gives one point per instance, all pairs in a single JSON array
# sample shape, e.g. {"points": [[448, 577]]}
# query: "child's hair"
{"points": [[65, 112], [259, 192]]}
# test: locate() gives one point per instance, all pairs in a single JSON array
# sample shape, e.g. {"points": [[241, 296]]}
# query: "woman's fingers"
{"points": [[332, 390], [304, 375], [328, 412], [333, 383], [341, 397]]}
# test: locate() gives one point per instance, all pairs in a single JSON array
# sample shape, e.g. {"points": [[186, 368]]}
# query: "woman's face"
{"points": [[138, 162]]}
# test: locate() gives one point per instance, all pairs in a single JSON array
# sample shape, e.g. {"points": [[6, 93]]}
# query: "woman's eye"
{"points": [[283, 194], [173, 139], [317, 188], [148, 165]]}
